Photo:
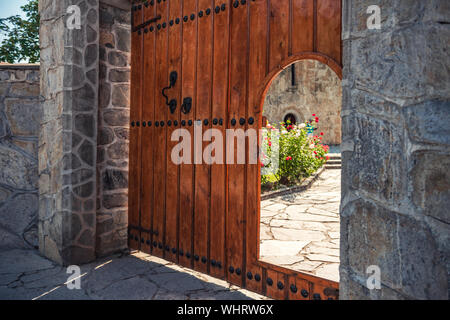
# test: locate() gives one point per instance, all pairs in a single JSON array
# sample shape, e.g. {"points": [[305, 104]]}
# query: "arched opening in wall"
{"points": [[300, 170], [290, 118]]}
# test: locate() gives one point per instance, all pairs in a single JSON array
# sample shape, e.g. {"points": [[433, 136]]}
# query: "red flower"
{"points": [[288, 158], [321, 133], [317, 119], [315, 152], [314, 115], [262, 165]]}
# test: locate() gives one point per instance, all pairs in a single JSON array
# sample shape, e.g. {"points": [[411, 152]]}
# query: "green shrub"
{"points": [[300, 154]]}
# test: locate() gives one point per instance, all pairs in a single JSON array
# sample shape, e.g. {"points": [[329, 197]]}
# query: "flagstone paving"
{"points": [[300, 231], [25, 275]]}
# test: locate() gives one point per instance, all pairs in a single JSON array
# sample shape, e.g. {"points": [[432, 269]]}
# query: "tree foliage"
{"points": [[21, 42]]}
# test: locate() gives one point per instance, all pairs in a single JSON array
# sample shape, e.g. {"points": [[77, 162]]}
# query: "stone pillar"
{"points": [[396, 150], [68, 135], [113, 127]]}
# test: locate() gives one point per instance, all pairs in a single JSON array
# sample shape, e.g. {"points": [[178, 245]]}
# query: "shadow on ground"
{"points": [[26, 275]]}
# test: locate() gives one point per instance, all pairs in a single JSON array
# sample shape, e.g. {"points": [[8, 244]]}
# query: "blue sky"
{"points": [[10, 8]]}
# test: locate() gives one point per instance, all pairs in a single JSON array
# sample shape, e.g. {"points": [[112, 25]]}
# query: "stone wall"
{"points": [[20, 113], [83, 149], [113, 129], [316, 90], [68, 135], [396, 150]]}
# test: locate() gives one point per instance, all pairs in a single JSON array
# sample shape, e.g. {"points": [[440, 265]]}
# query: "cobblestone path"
{"points": [[301, 231]]}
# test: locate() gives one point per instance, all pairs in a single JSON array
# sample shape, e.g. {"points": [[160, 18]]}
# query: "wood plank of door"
{"points": [[172, 194], [299, 289], [257, 72], [236, 172], [187, 170], [135, 134], [279, 32], [219, 112], [276, 285], [148, 118], [162, 81], [329, 28], [202, 113], [302, 26]]}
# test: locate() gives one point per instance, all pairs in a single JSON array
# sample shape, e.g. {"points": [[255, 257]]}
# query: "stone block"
{"points": [[118, 150], [114, 179], [18, 170], [123, 36], [87, 153], [117, 75], [117, 117], [423, 269], [104, 94], [91, 75], [430, 179], [122, 133], [105, 136], [23, 116], [370, 238], [84, 191], [428, 122], [74, 76], [19, 213], [117, 59], [84, 98], [85, 124], [397, 58], [121, 96], [90, 55], [377, 164], [115, 201], [23, 89]]}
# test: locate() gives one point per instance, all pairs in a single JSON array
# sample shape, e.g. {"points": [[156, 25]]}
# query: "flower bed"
{"points": [[300, 153]]}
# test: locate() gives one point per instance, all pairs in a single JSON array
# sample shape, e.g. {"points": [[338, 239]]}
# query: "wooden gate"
{"points": [[213, 61]]}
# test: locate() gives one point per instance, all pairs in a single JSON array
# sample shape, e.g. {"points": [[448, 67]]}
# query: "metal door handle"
{"points": [[187, 105], [173, 103]]}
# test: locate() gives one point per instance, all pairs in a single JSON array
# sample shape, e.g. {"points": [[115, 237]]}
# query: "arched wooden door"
{"points": [[224, 54]]}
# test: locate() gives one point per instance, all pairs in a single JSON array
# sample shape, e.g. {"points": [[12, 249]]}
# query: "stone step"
{"points": [[334, 156], [334, 162], [333, 167]]}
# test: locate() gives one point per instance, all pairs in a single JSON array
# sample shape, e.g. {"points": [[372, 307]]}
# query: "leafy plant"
{"points": [[21, 41], [300, 154]]}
